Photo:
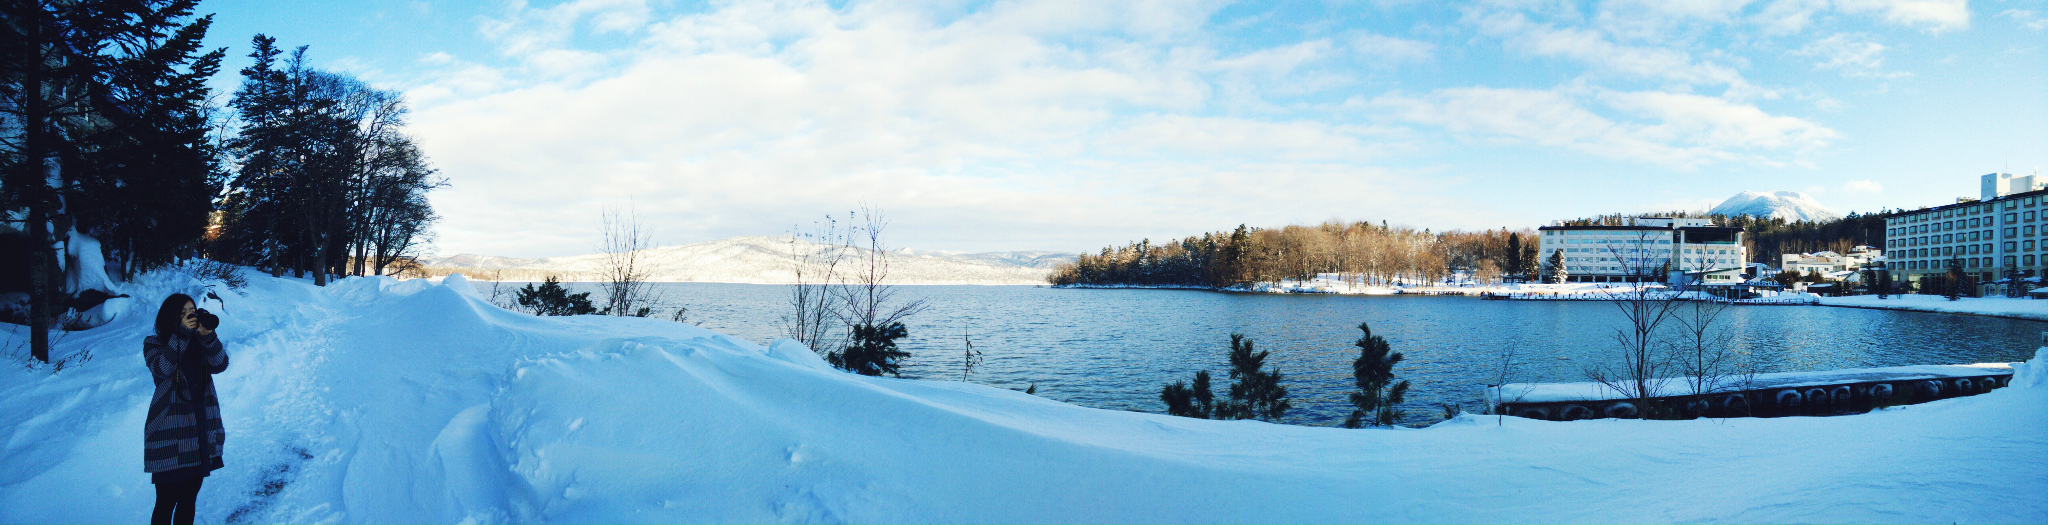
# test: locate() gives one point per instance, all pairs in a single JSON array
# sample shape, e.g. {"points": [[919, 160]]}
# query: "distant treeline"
{"points": [[1769, 239], [1358, 251], [1367, 253]]}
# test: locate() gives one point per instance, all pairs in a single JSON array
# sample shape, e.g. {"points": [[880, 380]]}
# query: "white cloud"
{"points": [[1932, 15], [1674, 129], [1862, 186], [1036, 120], [1390, 49], [1851, 54], [1655, 20], [2030, 19], [1793, 16], [1595, 49]]}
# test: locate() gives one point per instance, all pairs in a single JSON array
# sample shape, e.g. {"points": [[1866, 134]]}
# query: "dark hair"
{"points": [[171, 315]]}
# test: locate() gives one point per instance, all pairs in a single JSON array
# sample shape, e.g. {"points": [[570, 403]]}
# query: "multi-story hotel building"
{"points": [[1652, 248], [2000, 231]]}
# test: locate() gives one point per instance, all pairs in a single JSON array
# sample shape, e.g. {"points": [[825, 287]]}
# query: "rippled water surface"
{"points": [[1114, 349]]}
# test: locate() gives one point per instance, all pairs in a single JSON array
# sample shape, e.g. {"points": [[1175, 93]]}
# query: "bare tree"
{"points": [[814, 262], [624, 273], [1701, 351], [867, 298], [1642, 368], [1504, 374]]}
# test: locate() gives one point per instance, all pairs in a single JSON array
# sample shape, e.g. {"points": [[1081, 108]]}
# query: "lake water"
{"points": [[1114, 349]]}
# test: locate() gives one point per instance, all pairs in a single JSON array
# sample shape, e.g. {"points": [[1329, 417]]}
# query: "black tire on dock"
{"points": [[1929, 390], [1964, 386], [1622, 410], [1698, 407], [1879, 394], [1842, 396], [1533, 413], [1735, 405], [1788, 402], [1818, 402], [1575, 413]]}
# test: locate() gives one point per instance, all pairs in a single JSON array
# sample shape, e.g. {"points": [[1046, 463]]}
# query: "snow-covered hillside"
{"points": [[1788, 205], [768, 260], [379, 401]]}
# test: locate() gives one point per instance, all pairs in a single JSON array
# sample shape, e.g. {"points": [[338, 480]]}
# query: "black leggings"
{"points": [[174, 501]]}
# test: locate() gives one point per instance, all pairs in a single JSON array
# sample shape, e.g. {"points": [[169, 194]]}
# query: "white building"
{"points": [[1658, 249], [1830, 262], [1988, 237]]}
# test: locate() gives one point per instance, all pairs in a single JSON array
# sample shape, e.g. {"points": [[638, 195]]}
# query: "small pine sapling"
{"points": [[872, 350], [1198, 402], [1378, 397], [1257, 394], [550, 298]]}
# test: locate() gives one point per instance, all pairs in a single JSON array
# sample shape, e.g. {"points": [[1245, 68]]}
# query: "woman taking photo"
{"points": [[182, 435]]}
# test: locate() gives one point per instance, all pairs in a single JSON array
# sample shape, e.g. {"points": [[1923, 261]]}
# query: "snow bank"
{"points": [[86, 266], [1995, 306], [374, 400]]}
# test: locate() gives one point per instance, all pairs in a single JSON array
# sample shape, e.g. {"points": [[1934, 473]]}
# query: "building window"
{"points": [[2011, 246], [2011, 232], [1973, 249], [2028, 245], [2030, 260], [2029, 216], [2010, 261], [2011, 217]]}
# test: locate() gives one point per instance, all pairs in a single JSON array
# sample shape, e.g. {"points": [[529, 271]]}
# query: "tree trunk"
{"points": [[33, 183]]}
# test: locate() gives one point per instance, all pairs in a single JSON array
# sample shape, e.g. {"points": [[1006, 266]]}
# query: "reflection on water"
{"points": [[1113, 349]]}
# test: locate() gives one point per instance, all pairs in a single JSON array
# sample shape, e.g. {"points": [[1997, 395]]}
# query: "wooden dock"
{"points": [[1833, 392]]}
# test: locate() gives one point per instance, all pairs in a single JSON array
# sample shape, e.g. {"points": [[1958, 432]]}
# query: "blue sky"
{"points": [[1069, 125]]}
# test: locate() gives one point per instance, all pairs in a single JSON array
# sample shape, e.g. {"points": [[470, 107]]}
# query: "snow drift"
{"points": [[374, 400]]}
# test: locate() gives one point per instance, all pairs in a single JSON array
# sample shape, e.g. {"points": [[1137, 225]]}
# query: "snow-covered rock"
{"points": [[1788, 205]]}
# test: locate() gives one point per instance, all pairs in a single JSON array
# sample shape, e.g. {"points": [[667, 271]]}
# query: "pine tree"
{"points": [[86, 86], [1954, 279], [550, 298], [1257, 393], [1556, 268], [1514, 256], [1377, 400], [1198, 402], [872, 350]]}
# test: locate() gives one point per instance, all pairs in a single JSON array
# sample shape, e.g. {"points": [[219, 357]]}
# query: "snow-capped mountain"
{"points": [[769, 260], [1788, 205]]}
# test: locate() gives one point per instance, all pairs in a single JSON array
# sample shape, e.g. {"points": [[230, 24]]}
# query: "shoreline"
{"points": [[1998, 307]]}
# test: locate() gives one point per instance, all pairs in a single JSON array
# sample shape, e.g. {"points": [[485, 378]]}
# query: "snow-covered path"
{"points": [[380, 401]]}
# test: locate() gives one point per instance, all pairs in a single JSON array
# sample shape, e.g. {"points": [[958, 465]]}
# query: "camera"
{"points": [[207, 319]]}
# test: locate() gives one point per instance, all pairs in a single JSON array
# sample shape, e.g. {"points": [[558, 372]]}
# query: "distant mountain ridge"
{"points": [[1788, 205], [768, 260]]}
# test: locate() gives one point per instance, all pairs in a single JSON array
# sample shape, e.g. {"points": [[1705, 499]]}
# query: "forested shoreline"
{"points": [[1360, 251], [1365, 253]]}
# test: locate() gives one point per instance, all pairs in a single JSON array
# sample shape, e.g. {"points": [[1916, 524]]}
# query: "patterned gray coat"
{"points": [[182, 436]]}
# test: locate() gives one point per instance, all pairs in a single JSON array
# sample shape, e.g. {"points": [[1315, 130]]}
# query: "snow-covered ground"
{"points": [[373, 400], [1997, 306]]}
